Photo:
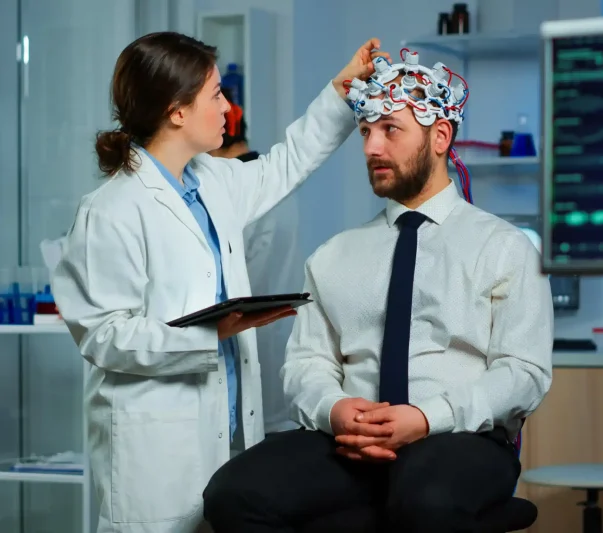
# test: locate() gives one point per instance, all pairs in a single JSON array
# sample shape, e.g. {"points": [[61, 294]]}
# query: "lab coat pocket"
{"points": [[156, 470]]}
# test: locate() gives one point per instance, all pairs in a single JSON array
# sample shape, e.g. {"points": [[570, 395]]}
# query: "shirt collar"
{"points": [[190, 179], [437, 208]]}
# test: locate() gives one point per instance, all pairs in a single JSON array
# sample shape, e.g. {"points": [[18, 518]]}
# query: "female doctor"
{"points": [[161, 239]]}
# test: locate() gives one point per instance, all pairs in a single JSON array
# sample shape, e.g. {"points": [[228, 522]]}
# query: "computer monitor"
{"points": [[565, 289], [572, 148]]}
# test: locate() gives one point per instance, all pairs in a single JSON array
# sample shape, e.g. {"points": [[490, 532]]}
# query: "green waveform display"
{"points": [[578, 218], [576, 192]]}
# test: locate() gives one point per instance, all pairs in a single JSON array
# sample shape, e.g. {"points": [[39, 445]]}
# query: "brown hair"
{"points": [[154, 75]]}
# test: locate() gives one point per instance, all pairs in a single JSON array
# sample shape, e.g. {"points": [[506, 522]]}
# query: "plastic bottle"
{"points": [[460, 19], [233, 81], [523, 141], [443, 24]]}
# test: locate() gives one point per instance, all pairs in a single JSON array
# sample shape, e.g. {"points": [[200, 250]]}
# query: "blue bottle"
{"points": [[233, 81], [523, 141]]}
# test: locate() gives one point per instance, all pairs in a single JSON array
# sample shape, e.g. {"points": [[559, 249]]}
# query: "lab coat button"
{"points": [[245, 361], [252, 413], [209, 274], [219, 435], [220, 381]]}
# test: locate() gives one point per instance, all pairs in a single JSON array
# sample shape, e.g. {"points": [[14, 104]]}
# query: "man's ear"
{"points": [[442, 136]]}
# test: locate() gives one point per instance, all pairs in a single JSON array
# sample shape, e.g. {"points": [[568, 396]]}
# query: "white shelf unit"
{"points": [[480, 46], [248, 38], [477, 46], [83, 479], [501, 165]]}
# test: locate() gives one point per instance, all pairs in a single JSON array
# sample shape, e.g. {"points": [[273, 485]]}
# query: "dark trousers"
{"points": [[436, 485]]}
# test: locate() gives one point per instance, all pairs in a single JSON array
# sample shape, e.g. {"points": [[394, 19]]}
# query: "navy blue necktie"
{"points": [[393, 385]]}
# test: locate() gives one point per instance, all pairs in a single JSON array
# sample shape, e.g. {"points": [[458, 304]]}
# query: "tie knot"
{"points": [[411, 219]]}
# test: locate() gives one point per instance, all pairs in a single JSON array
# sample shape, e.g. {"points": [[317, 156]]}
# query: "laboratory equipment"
{"points": [[429, 92], [572, 170], [565, 289], [443, 24], [460, 19], [523, 141], [24, 293], [6, 295], [233, 82]]}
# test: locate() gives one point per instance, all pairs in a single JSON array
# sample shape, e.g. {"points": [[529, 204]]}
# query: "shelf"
{"points": [[76, 479], [502, 165], [578, 359], [479, 46], [29, 330]]}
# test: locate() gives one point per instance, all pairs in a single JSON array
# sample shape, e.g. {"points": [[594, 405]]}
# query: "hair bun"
{"points": [[113, 150]]}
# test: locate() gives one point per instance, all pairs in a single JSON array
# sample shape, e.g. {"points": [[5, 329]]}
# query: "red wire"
{"points": [[345, 83], [402, 53]]}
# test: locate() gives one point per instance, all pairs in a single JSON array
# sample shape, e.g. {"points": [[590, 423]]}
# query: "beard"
{"points": [[401, 184]]}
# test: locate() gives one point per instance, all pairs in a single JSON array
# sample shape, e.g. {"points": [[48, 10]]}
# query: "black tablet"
{"points": [[247, 304]]}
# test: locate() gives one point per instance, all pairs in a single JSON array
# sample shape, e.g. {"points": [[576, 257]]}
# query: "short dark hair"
{"points": [[153, 76]]}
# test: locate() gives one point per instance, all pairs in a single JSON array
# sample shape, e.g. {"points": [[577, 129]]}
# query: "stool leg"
{"points": [[591, 516]]}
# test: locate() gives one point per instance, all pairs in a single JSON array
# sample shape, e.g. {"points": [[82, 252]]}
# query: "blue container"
{"points": [[233, 81], [6, 295]]}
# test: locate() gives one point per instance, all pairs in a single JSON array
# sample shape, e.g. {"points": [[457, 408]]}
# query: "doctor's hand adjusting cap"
{"points": [[361, 65]]}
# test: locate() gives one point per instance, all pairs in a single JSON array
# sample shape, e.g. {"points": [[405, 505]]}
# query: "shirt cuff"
{"points": [[338, 104], [438, 413], [323, 410]]}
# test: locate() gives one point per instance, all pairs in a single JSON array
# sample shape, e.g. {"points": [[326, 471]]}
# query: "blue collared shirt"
{"points": [[190, 194]]}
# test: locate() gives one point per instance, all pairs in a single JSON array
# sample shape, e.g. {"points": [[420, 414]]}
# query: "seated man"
{"points": [[428, 343]]}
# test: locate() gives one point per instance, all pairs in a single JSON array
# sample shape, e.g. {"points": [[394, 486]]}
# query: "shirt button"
{"points": [[219, 435]]}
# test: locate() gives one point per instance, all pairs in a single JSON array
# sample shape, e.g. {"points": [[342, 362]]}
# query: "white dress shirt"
{"points": [[481, 329]]}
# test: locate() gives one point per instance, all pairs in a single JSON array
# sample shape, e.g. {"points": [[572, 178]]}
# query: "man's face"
{"points": [[398, 155]]}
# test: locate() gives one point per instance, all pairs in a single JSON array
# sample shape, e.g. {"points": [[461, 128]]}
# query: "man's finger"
{"points": [[347, 452], [365, 405], [377, 416], [375, 452], [368, 430], [360, 441]]}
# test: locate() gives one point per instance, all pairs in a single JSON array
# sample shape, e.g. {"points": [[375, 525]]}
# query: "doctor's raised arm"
{"points": [[162, 238]]}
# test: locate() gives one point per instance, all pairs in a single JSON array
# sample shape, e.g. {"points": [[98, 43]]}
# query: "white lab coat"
{"points": [[135, 258], [276, 266]]}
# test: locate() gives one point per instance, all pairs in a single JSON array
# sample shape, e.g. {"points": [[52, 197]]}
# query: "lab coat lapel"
{"points": [[165, 194], [225, 247]]}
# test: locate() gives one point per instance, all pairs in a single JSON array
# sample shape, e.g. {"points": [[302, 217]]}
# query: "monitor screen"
{"points": [[572, 187], [565, 289]]}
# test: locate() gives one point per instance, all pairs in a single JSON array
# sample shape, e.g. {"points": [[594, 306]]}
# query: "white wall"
{"points": [[283, 11]]}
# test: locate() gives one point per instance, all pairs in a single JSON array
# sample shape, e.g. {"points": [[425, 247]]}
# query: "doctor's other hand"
{"points": [[361, 66], [235, 323]]}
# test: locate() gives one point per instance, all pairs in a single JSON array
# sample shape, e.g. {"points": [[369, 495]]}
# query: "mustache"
{"points": [[375, 162]]}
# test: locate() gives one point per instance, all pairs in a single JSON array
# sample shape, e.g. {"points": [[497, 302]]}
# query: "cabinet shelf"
{"points": [[502, 165], [42, 477], [13, 329], [480, 46]]}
